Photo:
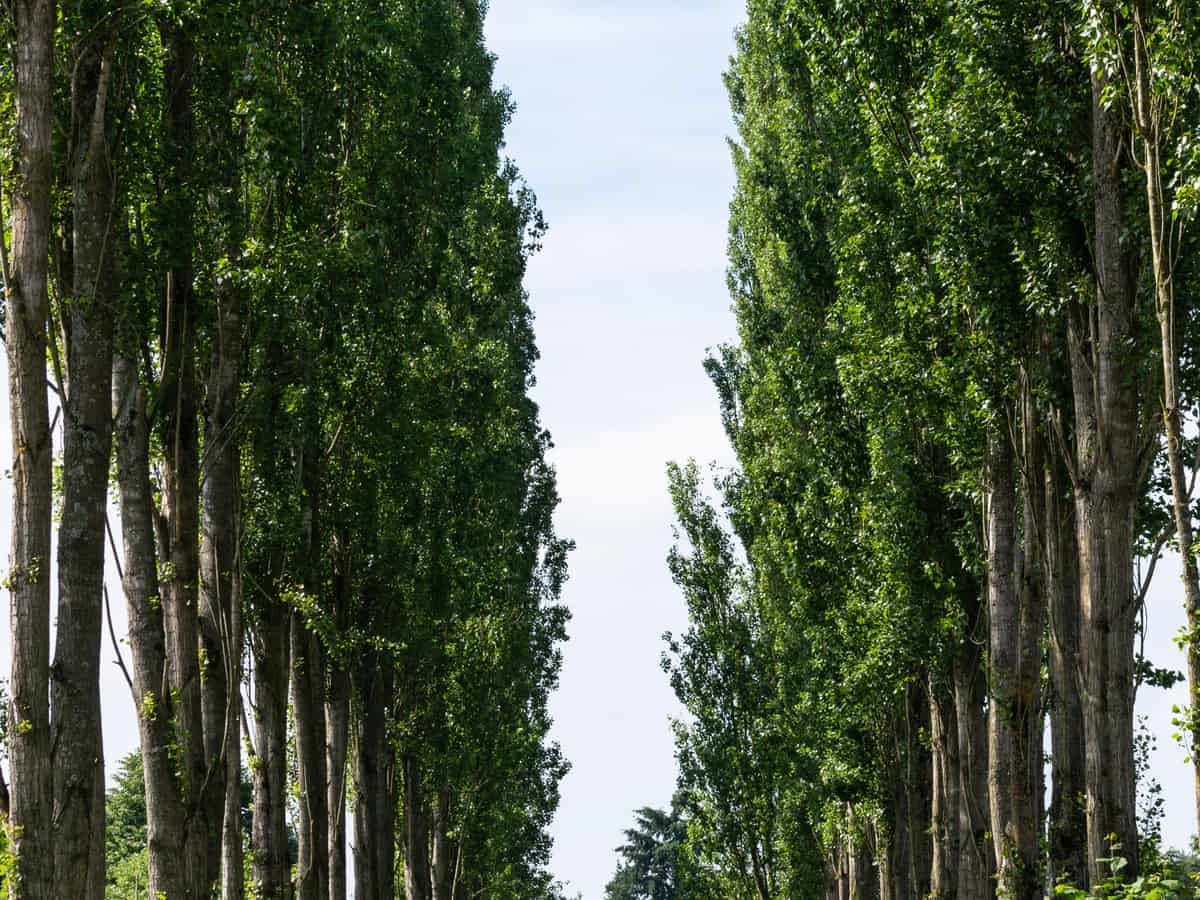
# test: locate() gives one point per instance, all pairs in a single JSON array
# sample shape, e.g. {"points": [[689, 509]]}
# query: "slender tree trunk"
{"points": [[312, 869], [87, 323], [337, 729], [1028, 789], [1068, 827], [151, 689], [220, 599], [863, 879], [1107, 468], [899, 843], [270, 861], [374, 790], [417, 876], [1006, 766], [919, 784], [974, 858], [29, 563], [179, 530], [445, 849], [1160, 212], [308, 693], [943, 741]]}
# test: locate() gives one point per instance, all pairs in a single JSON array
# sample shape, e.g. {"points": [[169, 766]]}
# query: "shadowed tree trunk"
{"points": [[270, 864], [974, 861], [1068, 827], [417, 876], [179, 528], [374, 784], [337, 727]]}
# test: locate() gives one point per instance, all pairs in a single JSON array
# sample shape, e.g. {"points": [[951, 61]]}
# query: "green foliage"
{"points": [[653, 858], [1176, 879]]}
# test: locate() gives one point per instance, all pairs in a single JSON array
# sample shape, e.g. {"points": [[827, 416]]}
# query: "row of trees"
{"points": [[268, 256], [962, 262]]}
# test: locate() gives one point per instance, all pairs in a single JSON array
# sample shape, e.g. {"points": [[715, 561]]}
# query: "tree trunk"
{"points": [[417, 876], [445, 849], [179, 531], [1107, 470], [374, 791], [337, 729], [1160, 212], [1068, 826], [220, 600], [337, 722], [1029, 787], [87, 324], [974, 860], [308, 691], [270, 860], [29, 563], [151, 689], [943, 740], [1005, 764]]}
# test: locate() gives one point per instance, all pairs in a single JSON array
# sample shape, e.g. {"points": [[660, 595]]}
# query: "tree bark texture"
{"points": [[1105, 386], [29, 561], [1068, 825], [374, 782], [417, 875], [152, 694], [220, 595], [270, 863], [87, 325], [179, 529]]}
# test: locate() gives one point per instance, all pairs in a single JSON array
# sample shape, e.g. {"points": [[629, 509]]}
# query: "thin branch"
{"points": [[112, 634]]}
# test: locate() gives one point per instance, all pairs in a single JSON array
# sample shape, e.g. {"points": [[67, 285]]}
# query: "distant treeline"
{"points": [[263, 289]]}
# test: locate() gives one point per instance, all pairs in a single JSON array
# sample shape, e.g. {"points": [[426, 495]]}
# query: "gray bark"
{"points": [[374, 783], [1068, 827], [87, 324], [270, 865], [29, 562], [974, 866], [1107, 467], [151, 689], [220, 596]]}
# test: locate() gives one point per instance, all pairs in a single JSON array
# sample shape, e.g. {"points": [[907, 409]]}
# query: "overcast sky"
{"points": [[620, 128]]}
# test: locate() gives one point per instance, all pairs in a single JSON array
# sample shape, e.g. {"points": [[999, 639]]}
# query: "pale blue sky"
{"points": [[620, 129]]}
